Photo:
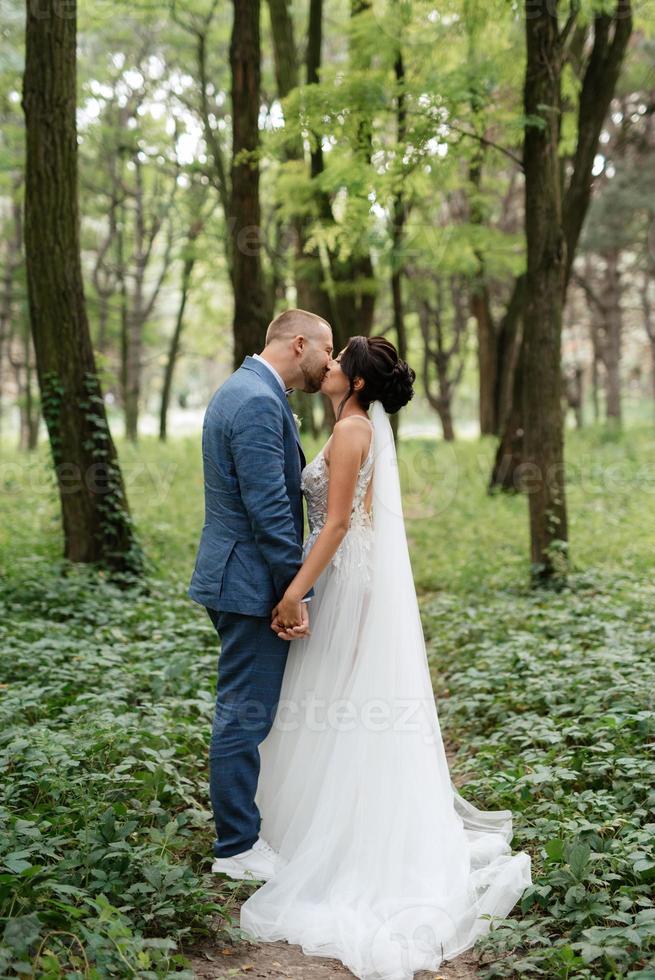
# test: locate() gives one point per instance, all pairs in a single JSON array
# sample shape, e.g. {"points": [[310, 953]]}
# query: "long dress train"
{"points": [[389, 868]]}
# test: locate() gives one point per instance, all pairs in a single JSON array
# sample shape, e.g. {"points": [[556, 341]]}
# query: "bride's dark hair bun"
{"points": [[386, 377]]}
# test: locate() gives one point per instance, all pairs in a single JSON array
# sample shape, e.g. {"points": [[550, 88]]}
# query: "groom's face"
{"points": [[316, 357]]}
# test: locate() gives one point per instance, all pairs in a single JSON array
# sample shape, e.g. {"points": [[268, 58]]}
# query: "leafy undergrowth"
{"points": [[104, 828], [552, 698]]}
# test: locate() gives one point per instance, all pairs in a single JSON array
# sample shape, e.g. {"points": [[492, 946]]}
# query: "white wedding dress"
{"points": [[389, 869]]}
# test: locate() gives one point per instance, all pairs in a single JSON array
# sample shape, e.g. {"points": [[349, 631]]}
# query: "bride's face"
{"points": [[335, 383]]}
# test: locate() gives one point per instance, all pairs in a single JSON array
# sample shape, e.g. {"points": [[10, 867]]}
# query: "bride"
{"points": [[382, 864]]}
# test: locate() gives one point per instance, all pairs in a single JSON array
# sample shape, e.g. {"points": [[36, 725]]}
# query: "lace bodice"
{"points": [[354, 550]]}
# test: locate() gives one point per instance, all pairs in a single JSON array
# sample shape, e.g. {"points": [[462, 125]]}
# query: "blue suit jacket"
{"points": [[251, 542]]}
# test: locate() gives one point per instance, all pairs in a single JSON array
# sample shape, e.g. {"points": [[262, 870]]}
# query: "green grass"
{"points": [[106, 702]]}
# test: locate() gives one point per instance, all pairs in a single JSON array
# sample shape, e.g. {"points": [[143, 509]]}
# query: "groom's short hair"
{"points": [[289, 323]]}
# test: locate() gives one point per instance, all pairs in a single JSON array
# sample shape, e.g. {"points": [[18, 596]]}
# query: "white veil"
{"points": [[393, 616], [401, 643]]}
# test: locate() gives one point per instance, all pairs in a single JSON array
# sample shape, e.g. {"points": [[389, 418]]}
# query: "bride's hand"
{"points": [[286, 612]]}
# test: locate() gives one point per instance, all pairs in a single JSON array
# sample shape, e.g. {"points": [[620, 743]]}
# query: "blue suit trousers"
{"points": [[250, 669]]}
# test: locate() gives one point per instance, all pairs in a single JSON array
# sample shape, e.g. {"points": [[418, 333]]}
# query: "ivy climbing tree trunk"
{"points": [[96, 522]]}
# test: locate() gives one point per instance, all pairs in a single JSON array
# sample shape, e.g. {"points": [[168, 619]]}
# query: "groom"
{"points": [[250, 549]]}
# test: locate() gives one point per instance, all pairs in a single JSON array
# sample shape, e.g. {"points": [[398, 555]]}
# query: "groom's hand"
{"points": [[280, 620], [288, 610]]}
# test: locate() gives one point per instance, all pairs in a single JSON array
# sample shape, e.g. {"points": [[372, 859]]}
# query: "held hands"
{"points": [[290, 618]]}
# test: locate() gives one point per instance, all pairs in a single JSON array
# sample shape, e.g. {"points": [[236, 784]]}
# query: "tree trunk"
{"points": [[28, 408], [509, 338], [135, 313], [399, 214], [103, 320], [445, 358], [174, 348], [596, 362], [579, 403], [598, 85], [349, 284], [595, 385], [314, 271], [96, 522], [33, 415], [506, 472], [481, 311], [399, 217], [649, 321], [139, 306], [613, 337], [311, 276], [487, 356], [318, 271], [104, 276], [611, 35], [446, 418], [13, 259], [546, 258], [308, 273], [284, 48], [354, 278], [606, 328], [573, 395], [399, 327], [132, 374], [252, 304]]}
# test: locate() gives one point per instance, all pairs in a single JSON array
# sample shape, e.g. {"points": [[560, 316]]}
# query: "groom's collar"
{"points": [[264, 370], [274, 372]]}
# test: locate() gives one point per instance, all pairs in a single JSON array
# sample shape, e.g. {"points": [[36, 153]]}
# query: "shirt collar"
{"points": [[258, 357]]}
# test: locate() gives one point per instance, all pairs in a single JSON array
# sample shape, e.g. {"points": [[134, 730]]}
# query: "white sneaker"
{"points": [[259, 863]]}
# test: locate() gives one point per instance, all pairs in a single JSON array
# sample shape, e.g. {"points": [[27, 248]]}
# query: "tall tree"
{"points": [[649, 320], [11, 258], [20, 353], [96, 521], [252, 301], [336, 263], [480, 299], [606, 314], [310, 292], [399, 212], [197, 196], [546, 260], [596, 55], [139, 302], [444, 348]]}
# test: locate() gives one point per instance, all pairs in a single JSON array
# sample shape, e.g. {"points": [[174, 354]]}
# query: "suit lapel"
{"points": [[251, 364]]}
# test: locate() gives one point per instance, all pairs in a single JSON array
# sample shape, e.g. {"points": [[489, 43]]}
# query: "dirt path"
{"points": [[280, 959]]}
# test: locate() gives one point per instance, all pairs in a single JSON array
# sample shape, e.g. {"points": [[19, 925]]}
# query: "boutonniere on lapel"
{"points": [[297, 420]]}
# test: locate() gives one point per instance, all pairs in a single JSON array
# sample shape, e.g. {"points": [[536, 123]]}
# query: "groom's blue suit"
{"points": [[250, 550]]}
